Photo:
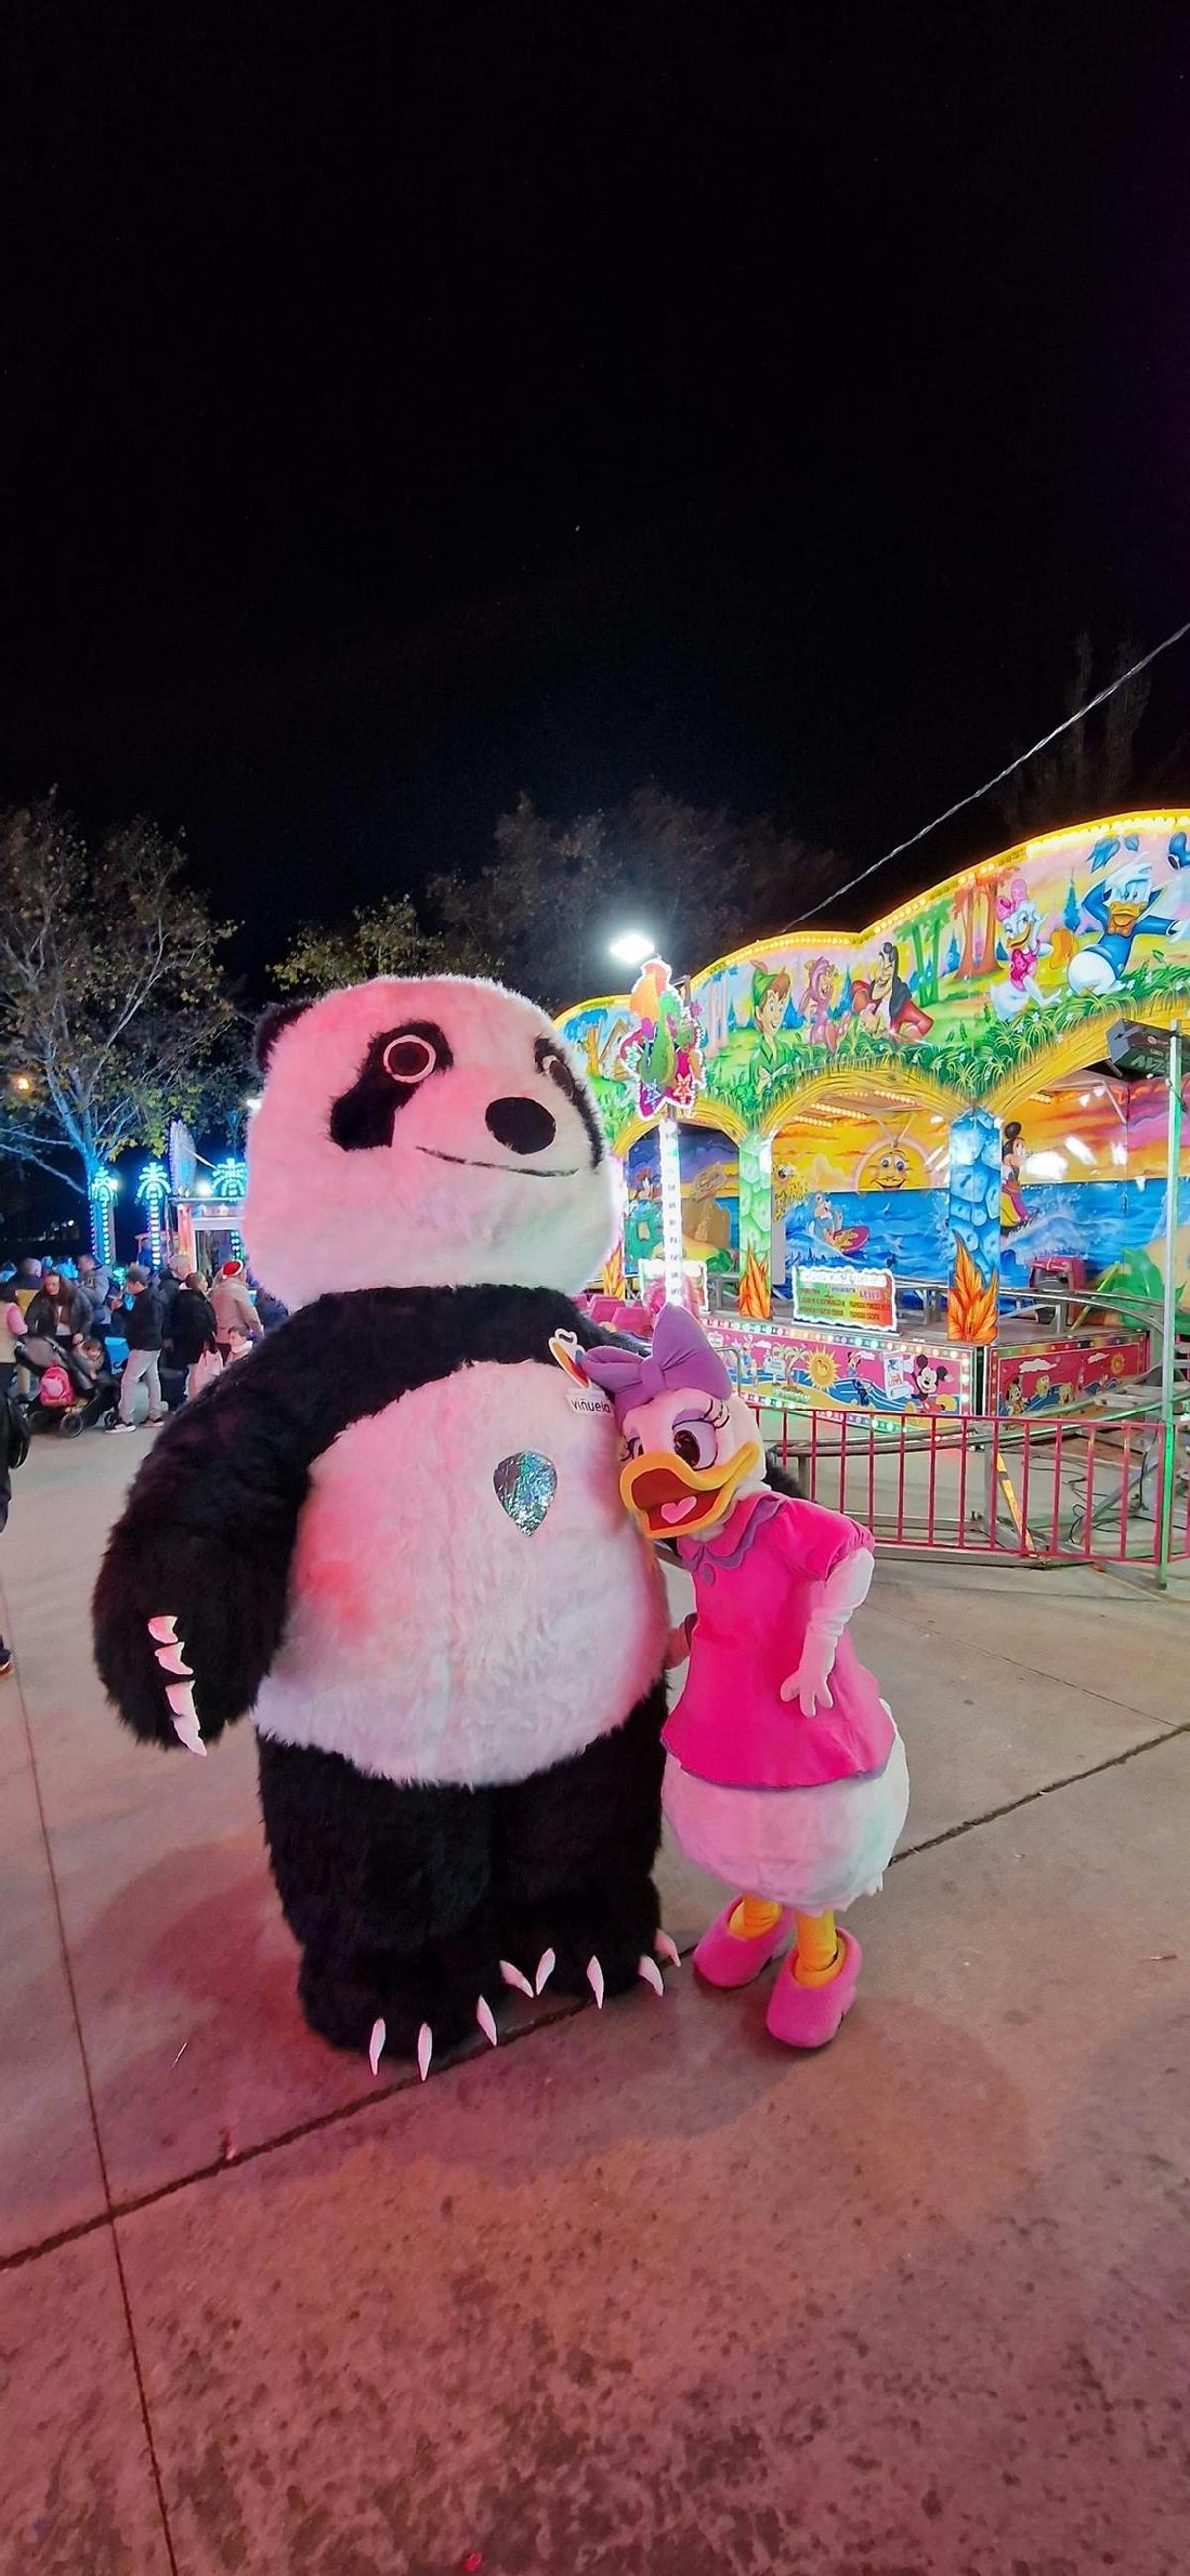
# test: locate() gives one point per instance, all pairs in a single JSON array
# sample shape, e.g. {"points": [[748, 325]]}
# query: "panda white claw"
{"points": [[649, 1970], [487, 2022], [512, 1977], [545, 1969], [595, 1981], [667, 1948], [376, 2045], [180, 1698], [164, 1631], [425, 2049], [172, 1659]]}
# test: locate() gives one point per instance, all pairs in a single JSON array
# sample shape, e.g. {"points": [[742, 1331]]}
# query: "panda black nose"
{"points": [[523, 1125]]}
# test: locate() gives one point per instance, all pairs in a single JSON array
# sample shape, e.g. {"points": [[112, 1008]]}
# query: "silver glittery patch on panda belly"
{"points": [[525, 1488], [435, 1633]]}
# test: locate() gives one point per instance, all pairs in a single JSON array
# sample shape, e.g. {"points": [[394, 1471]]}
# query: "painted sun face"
{"points": [[687, 1459], [892, 1165]]}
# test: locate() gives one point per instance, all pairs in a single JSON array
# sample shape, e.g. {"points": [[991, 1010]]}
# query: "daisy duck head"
{"points": [[689, 1442]]}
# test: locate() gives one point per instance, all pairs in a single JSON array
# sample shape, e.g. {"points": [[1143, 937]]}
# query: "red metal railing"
{"points": [[1085, 1489]]}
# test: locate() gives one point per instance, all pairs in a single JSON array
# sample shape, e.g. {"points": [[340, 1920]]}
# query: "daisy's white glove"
{"points": [[842, 1592]]}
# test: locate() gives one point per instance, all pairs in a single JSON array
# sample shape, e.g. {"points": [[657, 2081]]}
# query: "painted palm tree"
{"points": [[929, 926]]}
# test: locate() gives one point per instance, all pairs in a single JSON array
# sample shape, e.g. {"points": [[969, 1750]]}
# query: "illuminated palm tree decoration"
{"points": [[104, 1186], [229, 1180], [152, 1191]]}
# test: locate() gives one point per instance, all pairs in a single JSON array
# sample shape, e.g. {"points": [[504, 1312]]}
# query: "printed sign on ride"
{"points": [[862, 1300]]}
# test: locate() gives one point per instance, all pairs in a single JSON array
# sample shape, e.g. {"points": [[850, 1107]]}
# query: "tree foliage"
{"points": [[544, 912], [696, 882], [114, 1006], [1090, 770], [385, 938]]}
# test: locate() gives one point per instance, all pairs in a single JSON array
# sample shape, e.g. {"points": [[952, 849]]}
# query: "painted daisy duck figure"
{"points": [[786, 1776]]}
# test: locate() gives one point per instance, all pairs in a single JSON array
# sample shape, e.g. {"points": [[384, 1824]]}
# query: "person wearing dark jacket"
{"points": [[60, 1311], [96, 1279], [192, 1325], [269, 1308], [168, 1287], [141, 1323], [56, 1319]]}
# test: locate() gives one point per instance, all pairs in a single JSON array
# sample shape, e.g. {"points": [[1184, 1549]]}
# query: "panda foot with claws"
{"points": [[590, 1943]]}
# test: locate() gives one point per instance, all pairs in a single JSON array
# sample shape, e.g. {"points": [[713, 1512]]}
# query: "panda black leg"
{"points": [[438, 1989], [573, 1857], [389, 1892]]}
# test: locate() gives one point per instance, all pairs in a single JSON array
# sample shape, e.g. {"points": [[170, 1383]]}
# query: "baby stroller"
{"points": [[74, 1391]]}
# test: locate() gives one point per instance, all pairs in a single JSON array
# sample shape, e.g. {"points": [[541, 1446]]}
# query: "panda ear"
{"points": [[268, 1030]]}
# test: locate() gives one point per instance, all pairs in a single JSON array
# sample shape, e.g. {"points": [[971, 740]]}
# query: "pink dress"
{"points": [[754, 1588], [807, 1810]]}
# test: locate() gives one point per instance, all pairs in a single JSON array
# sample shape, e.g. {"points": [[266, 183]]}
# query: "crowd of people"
{"points": [[77, 1342], [83, 1339]]}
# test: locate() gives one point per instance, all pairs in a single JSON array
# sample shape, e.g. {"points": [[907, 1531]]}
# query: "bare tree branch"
{"points": [[113, 1001]]}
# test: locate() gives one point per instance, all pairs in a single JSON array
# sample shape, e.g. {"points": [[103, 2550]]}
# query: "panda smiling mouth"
{"points": [[519, 1170]]}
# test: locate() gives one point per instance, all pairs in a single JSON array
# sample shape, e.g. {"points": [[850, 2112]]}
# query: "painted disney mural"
{"points": [[969, 986]]}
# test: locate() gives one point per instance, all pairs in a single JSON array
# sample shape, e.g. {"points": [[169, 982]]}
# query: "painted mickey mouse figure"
{"points": [[392, 1533]]}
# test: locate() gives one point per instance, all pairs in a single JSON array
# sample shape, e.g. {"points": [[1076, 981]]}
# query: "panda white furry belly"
{"points": [[432, 1633]]}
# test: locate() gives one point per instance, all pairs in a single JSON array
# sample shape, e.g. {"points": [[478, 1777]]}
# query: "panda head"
{"points": [[429, 1134]]}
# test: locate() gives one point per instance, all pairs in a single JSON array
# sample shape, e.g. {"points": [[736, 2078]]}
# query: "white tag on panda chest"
{"points": [[581, 1395]]}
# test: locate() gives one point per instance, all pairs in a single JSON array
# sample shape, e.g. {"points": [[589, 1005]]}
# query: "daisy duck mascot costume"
{"points": [[786, 1776]]}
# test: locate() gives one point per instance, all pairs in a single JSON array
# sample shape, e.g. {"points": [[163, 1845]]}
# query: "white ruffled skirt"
{"points": [[814, 1849]]}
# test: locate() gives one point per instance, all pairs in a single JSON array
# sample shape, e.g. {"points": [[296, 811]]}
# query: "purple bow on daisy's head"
{"points": [[680, 1356]]}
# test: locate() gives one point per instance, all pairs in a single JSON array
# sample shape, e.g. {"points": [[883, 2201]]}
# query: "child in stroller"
{"points": [[74, 1391]]}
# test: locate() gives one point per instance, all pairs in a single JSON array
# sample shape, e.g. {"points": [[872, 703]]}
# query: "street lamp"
{"points": [[632, 948]]}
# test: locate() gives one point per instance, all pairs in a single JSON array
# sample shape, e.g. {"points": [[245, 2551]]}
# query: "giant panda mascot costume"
{"points": [[392, 1533]]}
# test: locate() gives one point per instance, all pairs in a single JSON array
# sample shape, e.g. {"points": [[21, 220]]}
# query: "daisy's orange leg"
{"points": [[818, 1951], [753, 1915]]}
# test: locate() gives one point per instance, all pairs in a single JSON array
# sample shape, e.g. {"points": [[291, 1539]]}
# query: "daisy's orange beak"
{"points": [[672, 1500]]}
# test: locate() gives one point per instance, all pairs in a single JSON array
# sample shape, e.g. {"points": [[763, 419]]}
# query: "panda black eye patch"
{"points": [[550, 1059], [397, 1063]]}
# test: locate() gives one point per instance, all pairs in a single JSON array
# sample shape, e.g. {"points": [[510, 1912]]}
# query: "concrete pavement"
{"points": [[638, 2295]]}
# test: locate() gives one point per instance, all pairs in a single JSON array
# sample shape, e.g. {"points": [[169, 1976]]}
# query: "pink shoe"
{"points": [[809, 2016], [724, 1958]]}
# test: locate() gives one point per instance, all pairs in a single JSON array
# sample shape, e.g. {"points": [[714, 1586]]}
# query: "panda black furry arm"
{"points": [[208, 1531]]}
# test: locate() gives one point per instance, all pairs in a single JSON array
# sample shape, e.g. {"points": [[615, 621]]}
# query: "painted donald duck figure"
{"points": [[786, 1775]]}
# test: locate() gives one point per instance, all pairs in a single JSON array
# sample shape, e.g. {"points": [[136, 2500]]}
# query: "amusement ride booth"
{"points": [[204, 1203], [913, 1174]]}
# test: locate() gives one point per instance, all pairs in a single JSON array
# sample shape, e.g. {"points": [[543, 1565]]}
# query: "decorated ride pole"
{"points": [[756, 1225], [612, 1280], [1169, 1319], [672, 1243], [971, 1307]]}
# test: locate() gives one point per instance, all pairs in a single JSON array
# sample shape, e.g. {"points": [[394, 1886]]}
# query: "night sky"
{"points": [[401, 408]]}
